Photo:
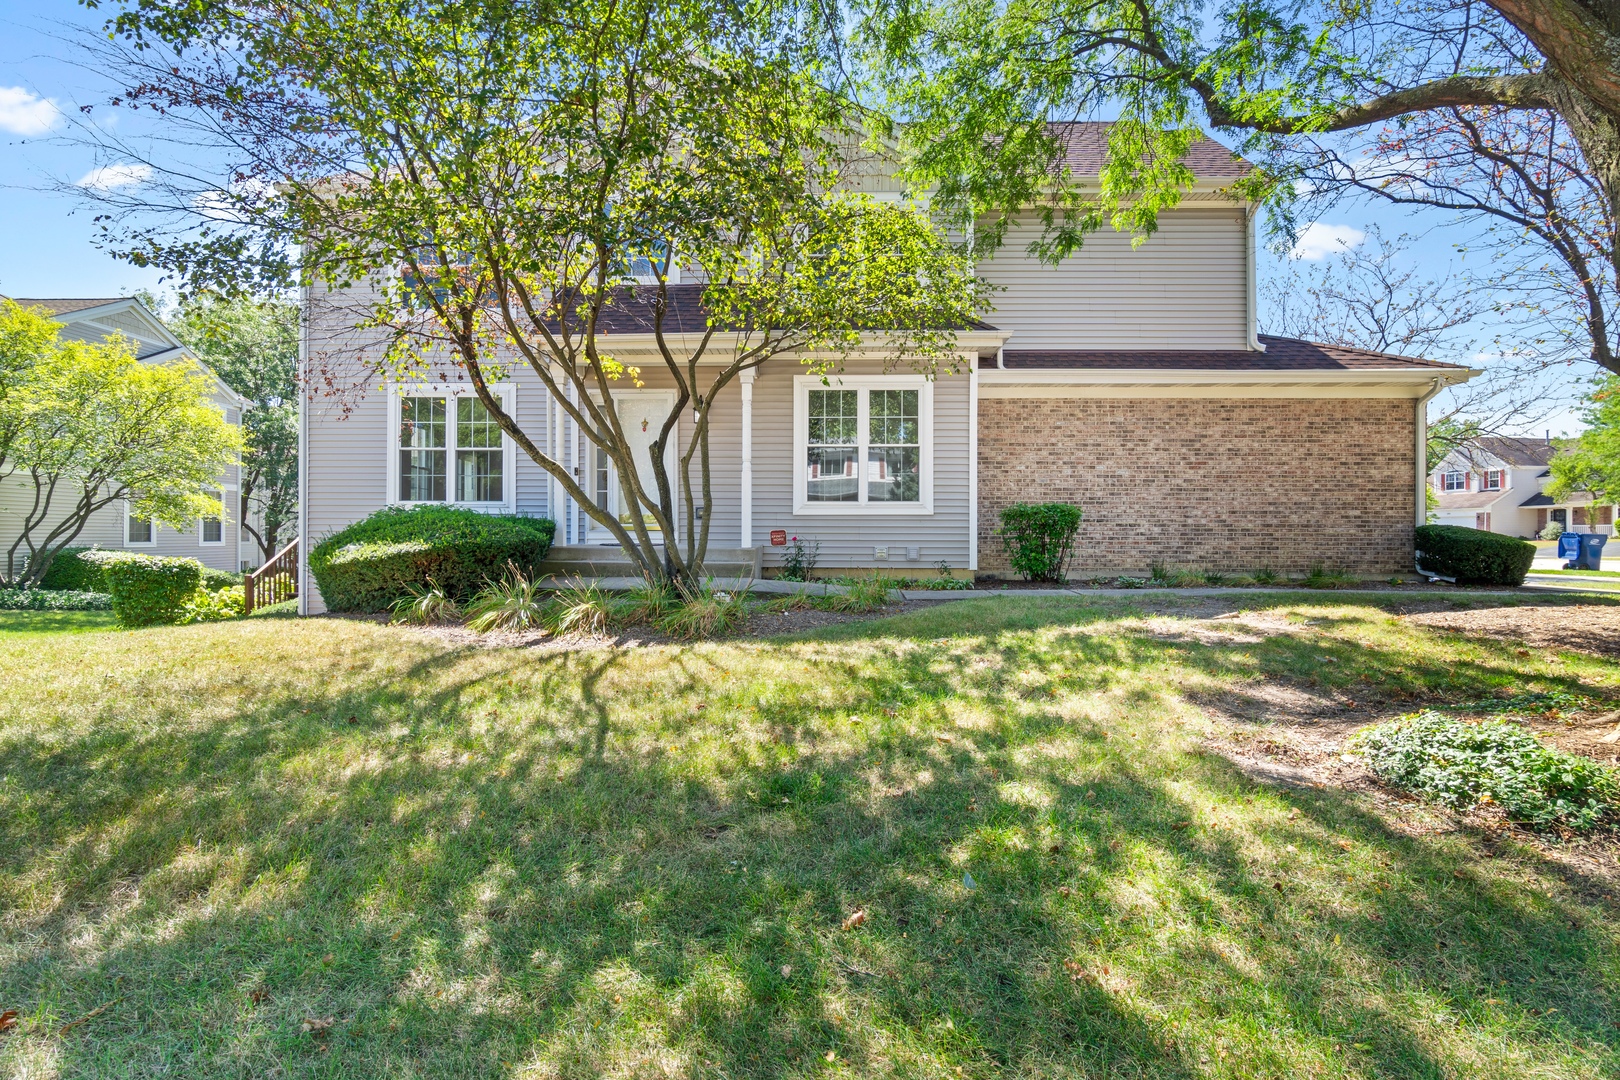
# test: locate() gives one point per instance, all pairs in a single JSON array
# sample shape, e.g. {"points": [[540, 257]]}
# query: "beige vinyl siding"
{"points": [[105, 529], [846, 542], [1184, 288]]}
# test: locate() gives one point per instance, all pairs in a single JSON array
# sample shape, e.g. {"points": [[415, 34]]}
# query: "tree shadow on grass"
{"points": [[499, 863]]}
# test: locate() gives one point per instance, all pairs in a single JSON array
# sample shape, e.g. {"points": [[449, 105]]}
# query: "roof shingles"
{"points": [[1281, 354]]}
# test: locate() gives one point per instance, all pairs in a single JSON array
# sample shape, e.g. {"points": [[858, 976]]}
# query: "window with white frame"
{"points": [[138, 531], [1492, 480], [211, 530], [449, 449], [863, 445], [1452, 481]]}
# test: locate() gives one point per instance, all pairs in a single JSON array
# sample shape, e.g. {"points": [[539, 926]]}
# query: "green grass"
{"points": [[55, 622], [1581, 573], [517, 863]]}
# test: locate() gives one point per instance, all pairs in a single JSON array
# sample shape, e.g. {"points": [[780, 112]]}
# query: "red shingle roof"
{"points": [[1281, 354]]}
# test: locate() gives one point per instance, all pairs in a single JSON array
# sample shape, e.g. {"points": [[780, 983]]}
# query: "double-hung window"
{"points": [[211, 530], [449, 449], [1491, 481], [863, 445], [1452, 481]]}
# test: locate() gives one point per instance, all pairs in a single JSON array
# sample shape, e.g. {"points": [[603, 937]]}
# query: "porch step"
{"points": [[593, 561]]}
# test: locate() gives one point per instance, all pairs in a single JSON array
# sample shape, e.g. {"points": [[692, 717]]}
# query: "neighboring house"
{"points": [[213, 542], [1498, 484], [1127, 379]]}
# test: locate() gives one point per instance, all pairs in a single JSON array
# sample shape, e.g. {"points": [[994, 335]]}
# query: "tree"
{"points": [[1593, 464], [253, 346], [509, 175], [1373, 296], [1509, 112], [90, 426]]}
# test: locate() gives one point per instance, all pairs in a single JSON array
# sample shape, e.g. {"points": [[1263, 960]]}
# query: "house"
{"points": [[1498, 484], [1130, 380], [212, 541]]}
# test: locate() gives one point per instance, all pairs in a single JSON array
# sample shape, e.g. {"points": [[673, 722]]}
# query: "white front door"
{"points": [[641, 415]]}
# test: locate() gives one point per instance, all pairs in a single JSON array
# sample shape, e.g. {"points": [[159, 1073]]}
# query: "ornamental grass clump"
{"points": [[705, 612], [425, 605], [515, 604], [1464, 764], [1039, 539]]}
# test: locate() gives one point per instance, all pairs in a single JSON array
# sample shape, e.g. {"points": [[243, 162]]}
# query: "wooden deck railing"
{"points": [[275, 581]]}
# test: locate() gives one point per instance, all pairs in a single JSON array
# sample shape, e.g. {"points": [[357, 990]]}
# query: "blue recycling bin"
{"points": [[1592, 550], [1569, 548]]}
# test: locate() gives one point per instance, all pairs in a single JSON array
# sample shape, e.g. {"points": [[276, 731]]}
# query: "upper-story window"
{"points": [[449, 449], [1492, 481], [211, 530], [1453, 481]]}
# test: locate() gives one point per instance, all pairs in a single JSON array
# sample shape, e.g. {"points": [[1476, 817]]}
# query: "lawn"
{"points": [[984, 839], [1581, 573]]}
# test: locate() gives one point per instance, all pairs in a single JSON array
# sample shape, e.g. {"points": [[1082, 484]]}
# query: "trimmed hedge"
{"points": [[148, 590], [1039, 538], [372, 563], [1473, 557], [71, 571], [53, 600], [215, 580]]}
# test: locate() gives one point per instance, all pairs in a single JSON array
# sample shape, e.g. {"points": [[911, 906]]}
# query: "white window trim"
{"points": [[803, 384], [507, 395], [224, 516], [1445, 480], [128, 511], [1485, 480]]}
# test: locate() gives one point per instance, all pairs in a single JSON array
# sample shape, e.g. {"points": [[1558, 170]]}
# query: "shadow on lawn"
{"points": [[523, 860]]}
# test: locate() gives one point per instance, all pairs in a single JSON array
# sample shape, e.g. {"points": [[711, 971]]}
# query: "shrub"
{"points": [[513, 603], [1473, 557], [1551, 531], [71, 571], [373, 563], [1039, 538], [214, 605], [215, 580], [148, 590], [1465, 764], [425, 604], [53, 600], [799, 560]]}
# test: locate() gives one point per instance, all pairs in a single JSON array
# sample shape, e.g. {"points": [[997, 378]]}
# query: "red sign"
{"points": [[778, 538]]}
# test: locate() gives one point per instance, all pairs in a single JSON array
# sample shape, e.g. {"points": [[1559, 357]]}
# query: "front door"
{"points": [[641, 415]]}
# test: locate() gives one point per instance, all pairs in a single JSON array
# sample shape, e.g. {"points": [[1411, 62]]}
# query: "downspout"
{"points": [[1253, 313]]}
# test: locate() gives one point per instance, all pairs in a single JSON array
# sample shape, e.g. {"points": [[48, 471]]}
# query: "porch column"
{"points": [[747, 514]]}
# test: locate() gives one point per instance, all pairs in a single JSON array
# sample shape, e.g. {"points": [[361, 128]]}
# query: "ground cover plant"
{"points": [[53, 600], [988, 838], [1495, 762]]}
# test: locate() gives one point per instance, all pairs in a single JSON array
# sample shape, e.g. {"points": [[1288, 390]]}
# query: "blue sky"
{"points": [[47, 239]]}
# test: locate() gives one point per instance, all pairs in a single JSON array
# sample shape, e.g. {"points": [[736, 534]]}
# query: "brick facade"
{"points": [[1208, 484]]}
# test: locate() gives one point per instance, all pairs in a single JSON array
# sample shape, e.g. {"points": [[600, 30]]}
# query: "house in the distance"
{"points": [[1498, 484], [211, 541]]}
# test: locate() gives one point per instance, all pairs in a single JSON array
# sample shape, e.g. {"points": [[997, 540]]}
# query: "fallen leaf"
{"points": [[1056, 849], [327, 959], [832, 1055], [855, 918], [942, 737], [1063, 890], [1277, 885], [258, 995], [87, 1017], [787, 969], [318, 1025], [968, 882], [8, 1020]]}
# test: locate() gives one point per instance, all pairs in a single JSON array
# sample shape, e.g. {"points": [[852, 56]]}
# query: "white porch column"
{"points": [[747, 514]]}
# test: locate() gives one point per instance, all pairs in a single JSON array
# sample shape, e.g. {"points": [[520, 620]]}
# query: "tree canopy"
{"points": [[502, 176], [89, 426]]}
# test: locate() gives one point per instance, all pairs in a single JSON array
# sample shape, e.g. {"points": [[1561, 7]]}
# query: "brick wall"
{"points": [[1207, 484]]}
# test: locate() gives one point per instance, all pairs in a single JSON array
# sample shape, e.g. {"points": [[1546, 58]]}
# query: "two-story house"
{"points": [[214, 542], [1127, 379], [1498, 484]]}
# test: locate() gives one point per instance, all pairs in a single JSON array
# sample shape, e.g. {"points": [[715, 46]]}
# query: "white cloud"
{"points": [[24, 113], [112, 177], [1319, 240]]}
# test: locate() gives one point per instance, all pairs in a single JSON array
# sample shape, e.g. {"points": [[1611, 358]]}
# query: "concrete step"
{"points": [[593, 561]]}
